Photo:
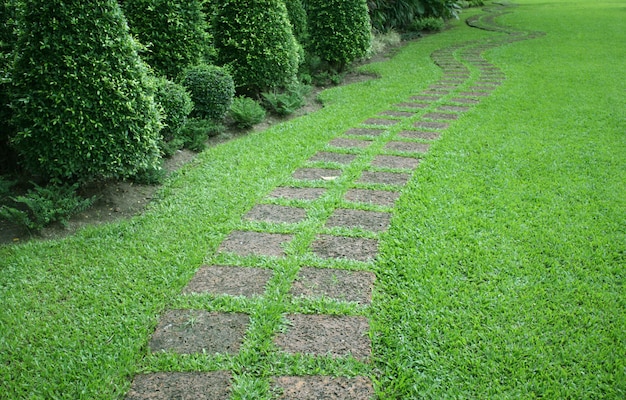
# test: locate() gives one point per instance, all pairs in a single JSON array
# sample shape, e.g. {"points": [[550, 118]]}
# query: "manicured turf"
{"points": [[501, 275]]}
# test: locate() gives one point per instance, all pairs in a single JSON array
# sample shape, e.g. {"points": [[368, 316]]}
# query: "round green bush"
{"points": [[339, 31], [173, 31], [212, 90], [176, 105], [254, 39], [82, 99]]}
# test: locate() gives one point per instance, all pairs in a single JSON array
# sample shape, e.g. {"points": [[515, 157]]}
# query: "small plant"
{"points": [[196, 132], [246, 112], [287, 101], [42, 206], [212, 90], [152, 176], [429, 24], [176, 105]]}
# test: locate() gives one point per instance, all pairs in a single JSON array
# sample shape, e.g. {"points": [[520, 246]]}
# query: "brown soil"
{"points": [[232, 281], [181, 385], [369, 220], [255, 244], [378, 197], [323, 387], [336, 284], [276, 213]]}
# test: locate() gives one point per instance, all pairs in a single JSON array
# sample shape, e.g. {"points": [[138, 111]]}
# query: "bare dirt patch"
{"points": [[198, 331], [379, 197], [181, 385], [326, 335], [369, 220], [292, 193], [336, 284], [359, 249], [384, 178], [338, 158], [232, 281], [323, 388], [276, 213], [316, 174], [395, 162], [425, 135], [255, 243]]}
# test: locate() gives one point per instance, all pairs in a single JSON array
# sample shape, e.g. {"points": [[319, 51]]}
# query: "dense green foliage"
{"points": [[254, 39], [173, 32], [81, 95], [7, 43], [400, 14], [175, 105], [339, 31], [212, 90], [298, 20], [246, 112]]}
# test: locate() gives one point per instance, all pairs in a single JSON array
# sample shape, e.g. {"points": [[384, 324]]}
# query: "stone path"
{"points": [[375, 159]]}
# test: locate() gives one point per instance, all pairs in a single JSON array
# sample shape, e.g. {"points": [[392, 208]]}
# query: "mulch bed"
{"points": [[181, 385], [338, 158], [384, 178], [378, 197], [358, 249], [292, 193], [336, 284], [323, 388], [348, 143], [276, 213], [255, 243], [326, 335], [425, 135], [232, 281], [316, 174], [408, 147], [383, 161], [369, 220], [198, 331]]}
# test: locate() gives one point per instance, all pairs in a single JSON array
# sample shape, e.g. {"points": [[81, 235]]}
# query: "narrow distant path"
{"points": [[345, 246]]}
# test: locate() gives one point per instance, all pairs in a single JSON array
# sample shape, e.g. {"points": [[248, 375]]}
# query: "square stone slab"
{"points": [[292, 193], [412, 105], [384, 178], [255, 243], [395, 162], [326, 335], [369, 220], [364, 132], [399, 114], [431, 125], [359, 249], [454, 108], [425, 135], [465, 100], [348, 143], [232, 281], [474, 94], [197, 331], [276, 213], [336, 284], [338, 158], [316, 174], [181, 385], [409, 147], [380, 121], [379, 197], [426, 98], [441, 116], [324, 388]]}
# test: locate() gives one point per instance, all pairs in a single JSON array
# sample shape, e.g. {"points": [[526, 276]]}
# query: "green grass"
{"points": [[501, 276]]}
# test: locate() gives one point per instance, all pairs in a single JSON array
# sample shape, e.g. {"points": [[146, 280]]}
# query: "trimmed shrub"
{"points": [[82, 99], [246, 112], [297, 19], [400, 14], [339, 31], [175, 104], [7, 43], [430, 24], [254, 39], [212, 90], [173, 31], [287, 101]]}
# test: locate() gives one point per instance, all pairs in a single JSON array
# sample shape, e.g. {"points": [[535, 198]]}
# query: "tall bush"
{"points": [[254, 39], [297, 19], [7, 44], [82, 98], [400, 14], [173, 32], [339, 30]]}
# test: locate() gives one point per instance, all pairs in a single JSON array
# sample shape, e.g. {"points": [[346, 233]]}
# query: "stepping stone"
{"points": [[255, 243], [474, 94], [437, 91], [431, 125], [465, 100], [292, 193], [409, 147], [326, 335], [336, 284], [380, 121], [395, 162], [316, 174], [378, 197], [412, 105], [181, 385], [454, 108], [369, 220], [491, 83], [399, 114], [419, 135], [359, 249], [198, 331], [441, 116], [349, 143], [365, 132], [384, 178], [338, 158], [276, 213], [323, 387], [481, 88], [232, 281], [426, 98]]}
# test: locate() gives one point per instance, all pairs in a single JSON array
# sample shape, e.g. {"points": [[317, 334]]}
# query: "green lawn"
{"points": [[501, 277]]}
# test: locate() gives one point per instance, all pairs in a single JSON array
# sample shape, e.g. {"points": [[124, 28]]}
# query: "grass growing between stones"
{"points": [[501, 274]]}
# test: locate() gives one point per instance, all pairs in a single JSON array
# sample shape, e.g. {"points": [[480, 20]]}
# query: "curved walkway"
{"points": [[347, 243]]}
